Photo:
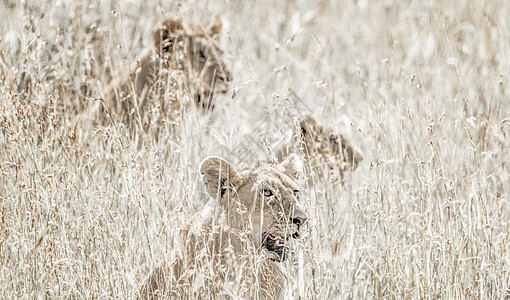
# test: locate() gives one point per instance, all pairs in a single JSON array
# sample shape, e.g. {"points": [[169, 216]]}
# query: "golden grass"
{"points": [[421, 86]]}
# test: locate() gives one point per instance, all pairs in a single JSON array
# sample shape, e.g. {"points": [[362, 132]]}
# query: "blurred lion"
{"points": [[328, 153], [184, 65], [234, 247]]}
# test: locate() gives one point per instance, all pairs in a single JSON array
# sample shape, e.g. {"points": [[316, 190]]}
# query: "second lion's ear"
{"points": [[292, 166], [214, 29], [218, 176], [166, 35]]}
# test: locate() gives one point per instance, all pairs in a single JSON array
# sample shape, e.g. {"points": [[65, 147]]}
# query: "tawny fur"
{"points": [[327, 152], [184, 65], [223, 256]]}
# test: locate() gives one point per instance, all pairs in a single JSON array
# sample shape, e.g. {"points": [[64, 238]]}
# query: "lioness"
{"points": [[327, 152], [235, 245], [184, 65]]}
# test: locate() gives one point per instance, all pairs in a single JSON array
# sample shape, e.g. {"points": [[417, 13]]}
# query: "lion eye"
{"points": [[267, 193], [296, 192], [201, 56]]}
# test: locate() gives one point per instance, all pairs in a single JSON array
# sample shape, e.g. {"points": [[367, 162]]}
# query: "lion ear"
{"points": [[164, 36], [292, 166], [218, 176], [214, 29]]}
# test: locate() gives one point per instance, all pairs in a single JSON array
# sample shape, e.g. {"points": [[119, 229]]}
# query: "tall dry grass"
{"points": [[420, 86]]}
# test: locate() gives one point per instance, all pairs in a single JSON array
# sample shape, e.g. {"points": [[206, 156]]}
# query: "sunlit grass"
{"points": [[421, 88]]}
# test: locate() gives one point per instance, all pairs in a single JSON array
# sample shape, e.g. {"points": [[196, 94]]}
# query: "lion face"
{"points": [[262, 200], [194, 50], [328, 147]]}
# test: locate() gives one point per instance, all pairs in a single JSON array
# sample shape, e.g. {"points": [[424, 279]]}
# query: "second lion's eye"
{"points": [[267, 193], [201, 56]]}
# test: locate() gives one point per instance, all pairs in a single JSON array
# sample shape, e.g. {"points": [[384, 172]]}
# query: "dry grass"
{"points": [[422, 87]]}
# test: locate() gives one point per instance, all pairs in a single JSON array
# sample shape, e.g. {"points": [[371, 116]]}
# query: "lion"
{"points": [[327, 152], [235, 246], [184, 65]]}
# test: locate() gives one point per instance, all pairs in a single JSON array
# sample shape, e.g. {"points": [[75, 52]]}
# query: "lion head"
{"points": [[262, 199], [325, 147], [184, 65], [195, 51], [253, 214]]}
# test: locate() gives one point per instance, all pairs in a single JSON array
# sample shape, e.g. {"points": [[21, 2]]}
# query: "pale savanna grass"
{"points": [[421, 87]]}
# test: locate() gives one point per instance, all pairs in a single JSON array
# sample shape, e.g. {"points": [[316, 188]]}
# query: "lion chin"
{"points": [[276, 246]]}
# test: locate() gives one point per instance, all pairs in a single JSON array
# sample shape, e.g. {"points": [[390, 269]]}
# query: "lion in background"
{"points": [[184, 65], [235, 246], [327, 152]]}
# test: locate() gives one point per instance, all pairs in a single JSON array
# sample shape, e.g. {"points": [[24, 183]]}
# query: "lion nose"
{"points": [[299, 220]]}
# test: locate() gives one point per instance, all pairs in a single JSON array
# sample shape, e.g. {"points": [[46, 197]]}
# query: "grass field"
{"points": [[421, 87]]}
